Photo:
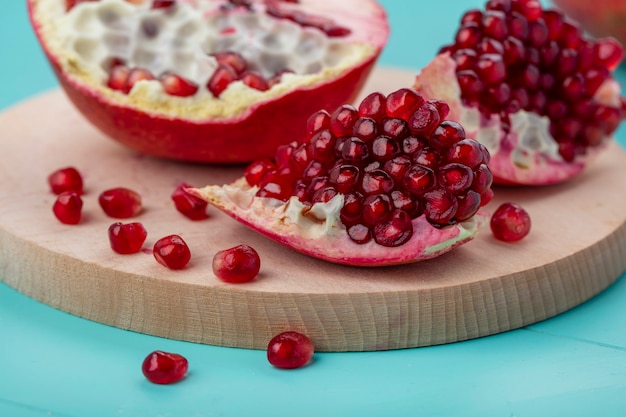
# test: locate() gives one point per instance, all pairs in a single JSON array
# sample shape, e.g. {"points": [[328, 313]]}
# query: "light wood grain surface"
{"points": [[576, 249]]}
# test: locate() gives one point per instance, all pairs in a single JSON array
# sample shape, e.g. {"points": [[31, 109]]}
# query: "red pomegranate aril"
{"points": [[468, 205], [255, 80], [322, 146], [176, 85], [376, 209], [440, 206], [239, 264], [118, 77], [66, 179], [255, 171], [365, 129], [316, 122], [468, 35], [172, 252], [395, 231], [233, 60], [473, 16], [569, 35], [312, 170], [594, 78], [510, 222], [403, 201], [491, 69], [465, 59], [608, 52], [494, 24], [402, 103], [490, 46], [482, 179], [419, 179], [221, 79], [447, 134], [120, 203], [427, 157], [359, 233], [412, 144], [355, 150], [127, 238], [343, 119], [503, 5], [290, 350], [397, 167], [351, 210], [514, 51], [164, 367], [136, 75], [344, 177], [455, 177], [68, 207], [518, 26], [163, 4], [424, 120], [192, 207], [324, 195], [470, 84], [373, 106], [376, 181]]}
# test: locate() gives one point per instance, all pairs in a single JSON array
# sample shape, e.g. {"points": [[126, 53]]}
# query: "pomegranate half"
{"points": [[390, 182], [218, 81], [529, 85]]}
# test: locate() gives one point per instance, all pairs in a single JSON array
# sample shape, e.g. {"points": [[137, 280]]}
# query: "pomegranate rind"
{"points": [[242, 134], [509, 164], [317, 231]]}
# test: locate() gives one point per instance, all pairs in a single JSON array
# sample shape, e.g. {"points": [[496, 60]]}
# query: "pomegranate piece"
{"points": [[510, 222], [164, 367], [194, 80], [68, 207], [290, 350], [66, 179], [368, 185], [189, 205], [120, 203], [172, 252], [237, 265], [127, 238], [531, 87]]}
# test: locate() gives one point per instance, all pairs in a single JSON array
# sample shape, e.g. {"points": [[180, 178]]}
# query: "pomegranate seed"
{"points": [[316, 122], [343, 119], [221, 79], [232, 60], [395, 231], [237, 265], [120, 203], [134, 76], [118, 78], [290, 350], [67, 207], [172, 252], [127, 238], [192, 207], [66, 179], [608, 52], [440, 206], [510, 222], [176, 85], [255, 80], [164, 368], [163, 4], [373, 106], [402, 103]]}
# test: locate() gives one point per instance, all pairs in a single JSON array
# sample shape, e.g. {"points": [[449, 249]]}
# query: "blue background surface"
{"points": [[55, 364]]}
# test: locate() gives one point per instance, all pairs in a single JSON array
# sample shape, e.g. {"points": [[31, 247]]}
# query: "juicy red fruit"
{"points": [[514, 55], [120, 203], [238, 264], [189, 205], [68, 207], [290, 350], [172, 252], [510, 222], [66, 179], [164, 368], [127, 238], [394, 158]]}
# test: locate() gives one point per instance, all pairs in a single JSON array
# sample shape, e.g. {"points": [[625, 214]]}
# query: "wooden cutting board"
{"points": [[576, 249]]}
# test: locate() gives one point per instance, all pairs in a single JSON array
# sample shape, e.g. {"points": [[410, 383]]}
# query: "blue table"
{"points": [[55, 364]]}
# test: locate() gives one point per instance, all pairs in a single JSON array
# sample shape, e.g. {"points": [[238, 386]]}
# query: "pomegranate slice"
{"points": [[368, 186], [208, 80], [527, 84]]}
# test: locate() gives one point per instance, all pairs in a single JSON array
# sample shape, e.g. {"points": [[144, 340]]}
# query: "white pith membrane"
{"points": [[317, 230], [528, 154], [86, 39]]}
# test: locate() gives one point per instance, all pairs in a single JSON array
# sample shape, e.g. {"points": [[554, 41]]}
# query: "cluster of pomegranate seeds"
{"points": [[237, 265], [120, 203], [510, 222], [192, 207], [515, 55], [68, 207], [164, 368], [290, 350], [393, 159], [66, 179], [127, 238], [172, 252]]}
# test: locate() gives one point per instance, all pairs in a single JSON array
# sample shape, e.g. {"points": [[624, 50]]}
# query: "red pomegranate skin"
{"points": [[210, 141]]}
